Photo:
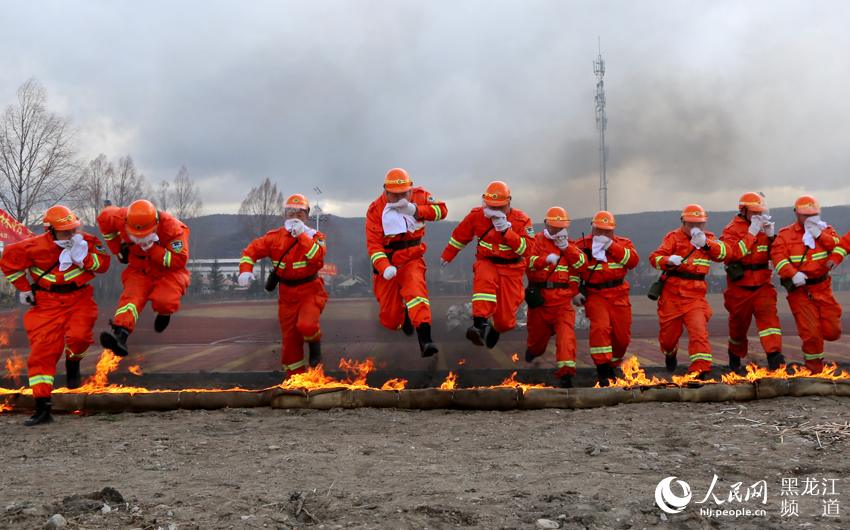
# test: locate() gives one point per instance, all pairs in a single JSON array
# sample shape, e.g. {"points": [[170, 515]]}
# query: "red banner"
{"points": [[11, 231], [328, 270]]}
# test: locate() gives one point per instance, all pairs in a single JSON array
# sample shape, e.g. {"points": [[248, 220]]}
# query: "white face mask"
{"points": [[142, 240], [289, 224], [67, 243]]}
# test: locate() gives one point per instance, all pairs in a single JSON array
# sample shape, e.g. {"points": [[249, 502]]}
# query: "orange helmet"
{"points": [[694, 213], [807, 205], [60, 218], [397, 181], [753, 202], [604, 220], [142, 218], [298, 202], [497, 194], [557, 217]]}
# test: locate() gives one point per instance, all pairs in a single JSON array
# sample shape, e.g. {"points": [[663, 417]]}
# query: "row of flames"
{"points": [[356, 373]]}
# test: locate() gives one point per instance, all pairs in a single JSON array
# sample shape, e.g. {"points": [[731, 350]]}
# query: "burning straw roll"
{"points": [[799, 387], [547, 398], [326, 398], [425, 399], [220, 399], [657, 394], [155, 401], [18, 400], [486, 398], [772, 387], [290, 399], [719, 392], [379, 399]]}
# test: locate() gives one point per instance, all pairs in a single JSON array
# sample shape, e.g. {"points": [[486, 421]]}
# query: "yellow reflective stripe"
{"points": [[781, 264], [73, 273], [566, 364], [95, 262], [722, 249], [279, 264], [613, 266], [812, 356], [246, 259], [770, 331], [294, 366], [299, 264], [41, 380], [700, 261], [562, 268], [762, 248], [312, 251], [819, 255], [626, 257], [110, 237], [504, 247], [522, 246], [128, 308], [574, 278], [743, 247], [313, 337], [580, 262], [376, 256], [798, 257], [840, 251], [658, 262], [38, 272], [601, 349], [485, 244], [532, 261], [483, 297], [438, 214], [413, 302], [456, 244], [15, 275], [166, 259], [700, 357]]}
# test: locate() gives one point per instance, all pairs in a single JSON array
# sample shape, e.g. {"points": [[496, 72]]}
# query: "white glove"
{"points": [[799, 279], [698, 238], [79, 250], [26, 298], [814, 226], [404, 206], [769, 228], [562, 242], [443, 262], [491, 213], [675, 260], [245, 279], [295, 227], [390, 272], [756, 224], [500, 223], [553, 258], [603, 241], [65, 260], [578, 300]]}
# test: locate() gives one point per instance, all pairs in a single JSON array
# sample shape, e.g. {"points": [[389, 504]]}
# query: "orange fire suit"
{"points": [[841, 249], [64, 313], [408, 289], [497, 289], [158, 275], [556, 316], [753, 295], [607, 304], [301, 291], [683, 300], [815, 310]]}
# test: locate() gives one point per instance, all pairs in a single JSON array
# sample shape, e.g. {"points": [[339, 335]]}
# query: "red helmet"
{"points": [[807, 205], [557, 217], [497, 194], [142, 218], [397, 181], [694, 213], [604, 220], [60, 218], [297, 202], [753, 202]]}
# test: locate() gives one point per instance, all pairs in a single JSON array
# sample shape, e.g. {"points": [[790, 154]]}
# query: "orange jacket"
{"points": [[379, 245], [169, 254], [788, 250], [39, 254], [516, 242], [571, 261], [305, 255], [841, 249], [699, 262], [749, 250], [622, 257]]}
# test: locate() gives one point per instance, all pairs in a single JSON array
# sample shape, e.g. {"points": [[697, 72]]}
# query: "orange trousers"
{"points": [[610, 326], [57, 323], [164, 293], [675, 312], [559, 320], [299, 309], [745, 304], [818, 318], [497, 291], [407, 290]]}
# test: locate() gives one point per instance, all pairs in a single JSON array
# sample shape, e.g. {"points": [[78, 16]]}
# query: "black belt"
{"points": [[402, 244], [605, 285], [503, 261], [755, 267], [551, 285], [751, 287], [64, 288], [300, 281], [815, 281], [686, 275]]}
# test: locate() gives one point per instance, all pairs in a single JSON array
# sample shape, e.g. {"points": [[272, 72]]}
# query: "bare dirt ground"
{"points": [[369, 468]]}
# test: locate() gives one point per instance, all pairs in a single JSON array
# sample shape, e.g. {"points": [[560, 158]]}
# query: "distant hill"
{"points": [[222, 236]]}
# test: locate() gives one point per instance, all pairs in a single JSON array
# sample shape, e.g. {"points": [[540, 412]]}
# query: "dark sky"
{"points": [[705, 99]]}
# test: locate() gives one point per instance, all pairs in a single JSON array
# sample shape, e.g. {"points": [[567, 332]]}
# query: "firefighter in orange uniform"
{"points": [[685, 257], [395, 226], [553, 277], [749, 292], [60, 262], [801, 257], [298, 252], [505, 237], [605, 293], [155, 247]]}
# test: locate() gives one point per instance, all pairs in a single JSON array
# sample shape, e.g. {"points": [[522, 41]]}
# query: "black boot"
{"points": [[704, 376], [161, 322], [775, 359], [492, 337], [407, 326], [116, 341], [566, 381], [42, 412], [734, 363], [604, 373], [671, 362], [426, 345], [477, 331], [72, 373], [315, 349], [530, 356]]}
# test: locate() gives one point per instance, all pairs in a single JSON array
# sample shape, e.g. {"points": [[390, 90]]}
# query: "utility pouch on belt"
{"points": [[735, 271], [272, 280], [655, 289], [533, 296]]}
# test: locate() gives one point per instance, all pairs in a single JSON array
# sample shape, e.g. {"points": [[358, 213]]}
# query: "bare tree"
{"points": [[163, 195], [184, 199], [260, 211], [102, 180], [36, 157], [128, 184]]}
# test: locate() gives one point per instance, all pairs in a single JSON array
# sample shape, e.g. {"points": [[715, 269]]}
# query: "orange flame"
{"points": [[515, 358], [4, 338], [135, 369], [356, 373], [395, 384], [511, 382], [450, 382], [633, 375], [461, 362], [106, 364], [5, 407], [14, 367]]}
